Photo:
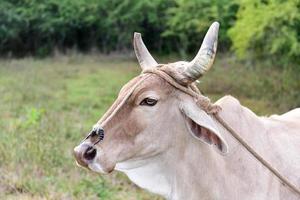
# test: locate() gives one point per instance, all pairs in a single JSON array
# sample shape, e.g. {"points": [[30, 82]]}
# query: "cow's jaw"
{"points": [[149, 174]]}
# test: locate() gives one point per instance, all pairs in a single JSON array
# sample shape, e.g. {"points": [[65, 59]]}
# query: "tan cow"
{"points": [[166, 143]]}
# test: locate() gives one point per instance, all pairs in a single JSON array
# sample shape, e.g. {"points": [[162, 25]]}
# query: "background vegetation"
{"points": [[49, 100], [260, 29]]}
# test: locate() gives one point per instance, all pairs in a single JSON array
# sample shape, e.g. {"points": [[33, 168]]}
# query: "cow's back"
{"points": [[275, 138], [283, 132], [291, 118]]}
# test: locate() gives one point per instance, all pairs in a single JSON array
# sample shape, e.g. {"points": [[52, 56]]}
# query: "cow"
{"points": [[170, 143]]}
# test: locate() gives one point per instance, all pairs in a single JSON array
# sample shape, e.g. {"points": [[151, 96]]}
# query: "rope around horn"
{"points": [[205, 103]]}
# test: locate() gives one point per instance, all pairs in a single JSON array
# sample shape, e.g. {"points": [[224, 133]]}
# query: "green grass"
{"points": [[47, 106]]}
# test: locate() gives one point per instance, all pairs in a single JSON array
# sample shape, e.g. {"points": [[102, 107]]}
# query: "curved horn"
{"points": [[145, 59], [205, 56]]}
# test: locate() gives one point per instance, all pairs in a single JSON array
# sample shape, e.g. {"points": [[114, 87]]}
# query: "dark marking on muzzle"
{"points": [[96, 131]]}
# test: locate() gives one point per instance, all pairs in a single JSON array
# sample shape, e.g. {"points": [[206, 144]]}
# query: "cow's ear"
{"points": [[203, 127]]}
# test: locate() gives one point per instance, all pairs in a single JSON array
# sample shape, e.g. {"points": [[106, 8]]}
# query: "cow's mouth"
{"points": [[96, 167]]}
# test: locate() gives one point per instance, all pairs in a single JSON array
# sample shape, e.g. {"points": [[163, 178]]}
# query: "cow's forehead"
{"points": [[133, 88], [128, 86], [151, 82]]}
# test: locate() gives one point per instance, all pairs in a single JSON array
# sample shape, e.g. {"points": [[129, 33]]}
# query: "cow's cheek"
{"points": [[134, 124], [119, 143], [106, 162]]}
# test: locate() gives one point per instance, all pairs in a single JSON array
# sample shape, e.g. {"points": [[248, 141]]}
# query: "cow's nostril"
{"points": [[90, 153]]}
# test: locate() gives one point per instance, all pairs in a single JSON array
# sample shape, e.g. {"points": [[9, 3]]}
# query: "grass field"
{"points": [[47, 106]]}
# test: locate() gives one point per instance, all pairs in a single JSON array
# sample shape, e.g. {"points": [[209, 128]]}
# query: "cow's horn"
{"points": [[145, 59], [205, 56]]}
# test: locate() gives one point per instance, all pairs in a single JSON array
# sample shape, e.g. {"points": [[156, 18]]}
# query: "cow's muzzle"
{"points": [[85, 154]]}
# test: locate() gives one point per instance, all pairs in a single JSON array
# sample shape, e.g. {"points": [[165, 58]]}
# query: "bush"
{"points": [[190, 19], [253, 29], [38, 27], [268, 29]]}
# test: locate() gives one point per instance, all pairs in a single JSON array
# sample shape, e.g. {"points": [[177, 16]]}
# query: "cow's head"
{"points": [[151, 116]]}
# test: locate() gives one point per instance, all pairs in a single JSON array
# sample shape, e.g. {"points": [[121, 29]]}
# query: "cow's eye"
{"points": [[148, 102]]}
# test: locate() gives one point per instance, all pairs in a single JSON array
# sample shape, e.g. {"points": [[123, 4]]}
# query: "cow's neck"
{"points": [[186, 171], [205, 174], [197, 172]]}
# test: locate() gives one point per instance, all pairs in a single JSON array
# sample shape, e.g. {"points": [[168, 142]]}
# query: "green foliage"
{"points": [[40, 26], [190, 19], [254, 29], [268, 29], [33, 116]]}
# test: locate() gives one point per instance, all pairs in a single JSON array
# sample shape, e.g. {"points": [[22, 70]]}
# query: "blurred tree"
{"points": [[258, 29], [190, 19], [39, 26], [268, 29], [123, 17]]}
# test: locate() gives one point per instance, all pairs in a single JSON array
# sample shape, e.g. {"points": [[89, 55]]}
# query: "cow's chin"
{"points": [[96, 167], [100, 168]]}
